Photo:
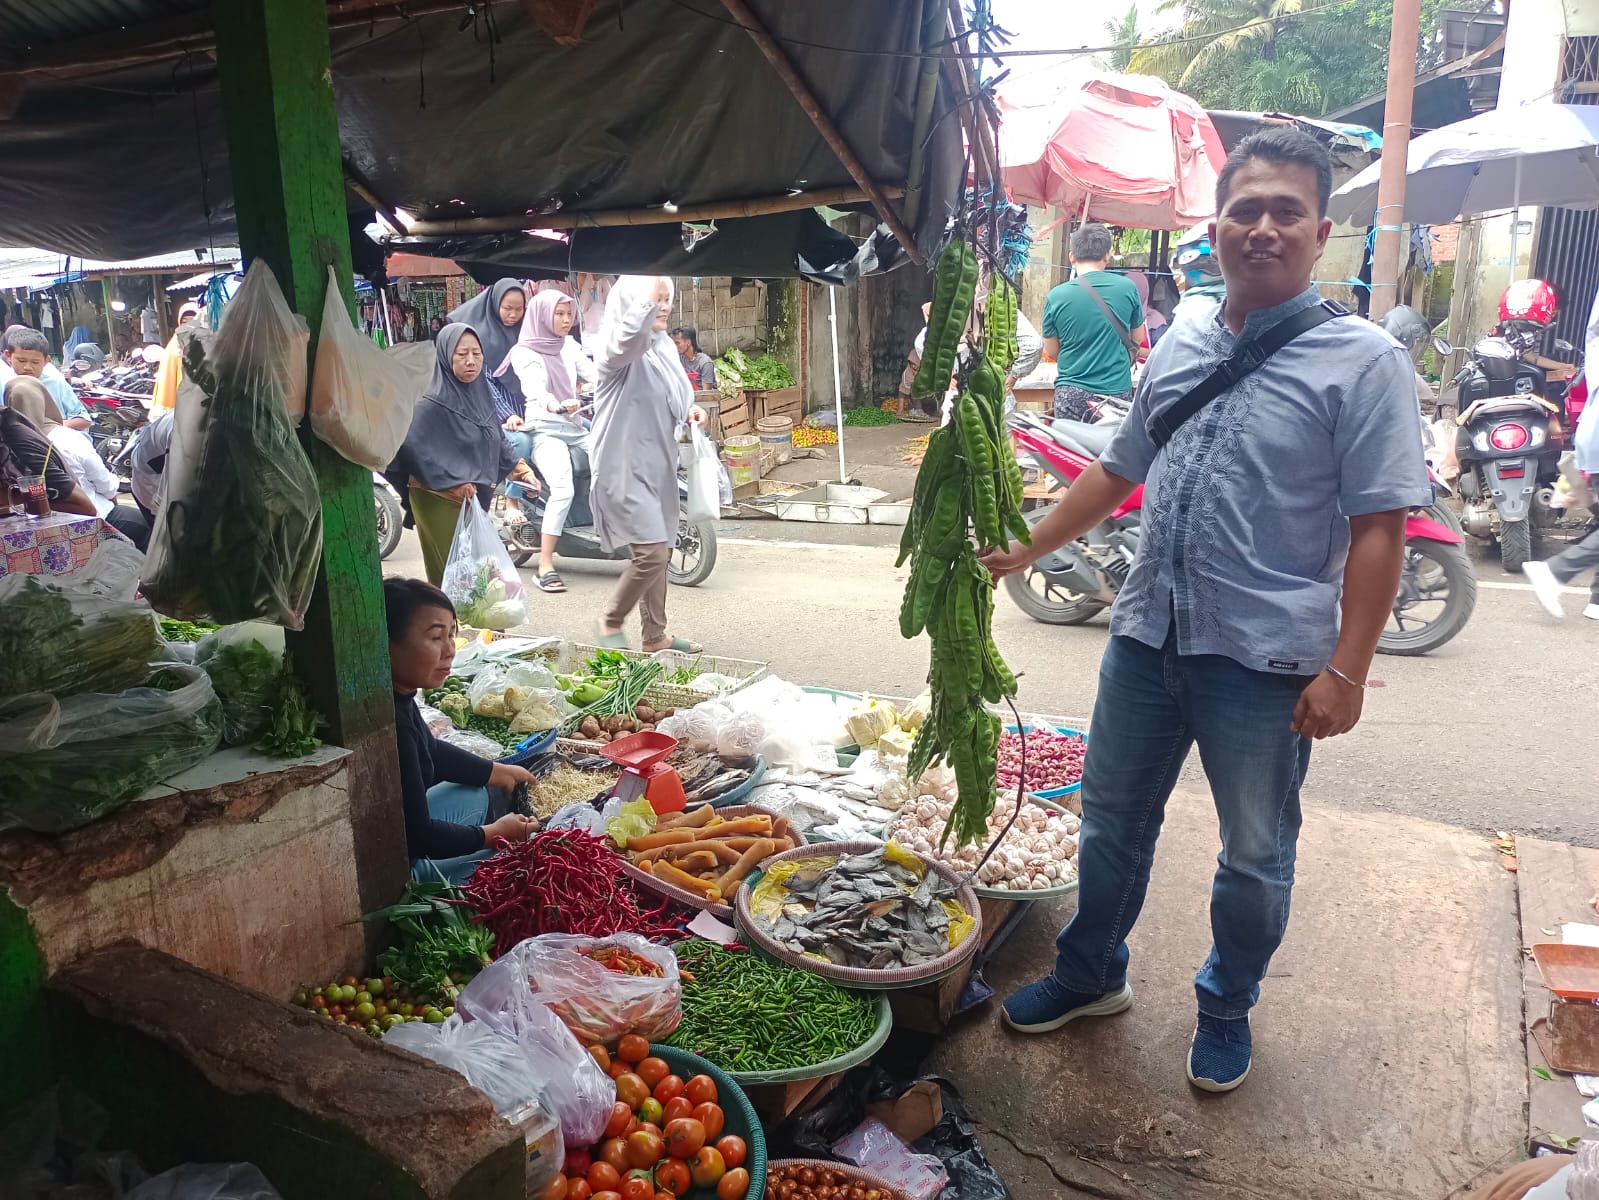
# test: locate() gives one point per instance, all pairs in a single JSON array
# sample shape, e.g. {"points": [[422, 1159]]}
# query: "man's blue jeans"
{"points": [[1153, 706]]}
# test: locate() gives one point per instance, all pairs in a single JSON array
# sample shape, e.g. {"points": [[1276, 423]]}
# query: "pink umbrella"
{"points": [[1126, 149]]}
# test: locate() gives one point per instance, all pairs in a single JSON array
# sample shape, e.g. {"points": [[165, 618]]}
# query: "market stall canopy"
{"points": [[459, 113], [1536, 154], [1136, 152]]}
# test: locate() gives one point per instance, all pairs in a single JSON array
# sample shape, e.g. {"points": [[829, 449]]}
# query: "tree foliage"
{"points": [[1300, 56]]}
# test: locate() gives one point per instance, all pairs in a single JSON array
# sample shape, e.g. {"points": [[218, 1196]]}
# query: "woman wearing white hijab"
{"points": [[642, 399]]}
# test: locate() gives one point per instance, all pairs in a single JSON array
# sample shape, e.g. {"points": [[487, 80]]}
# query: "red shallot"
{"points": [[1054, 760]]}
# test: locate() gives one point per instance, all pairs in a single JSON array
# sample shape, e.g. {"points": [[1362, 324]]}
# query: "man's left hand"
{"points": [[1327, 707], [507, 776]]}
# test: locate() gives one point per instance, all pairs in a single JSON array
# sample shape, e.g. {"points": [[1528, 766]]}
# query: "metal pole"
{"points": [[1387, 253], [838, 383], [1515, 224], [110, 333]]}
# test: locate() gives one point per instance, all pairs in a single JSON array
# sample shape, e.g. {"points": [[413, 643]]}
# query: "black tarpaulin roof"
{"points": [[663, 101]]}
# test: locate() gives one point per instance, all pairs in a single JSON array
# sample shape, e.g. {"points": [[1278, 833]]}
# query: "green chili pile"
{"points": [[748, 1013]]}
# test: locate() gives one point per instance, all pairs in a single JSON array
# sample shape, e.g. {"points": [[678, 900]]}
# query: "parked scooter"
{"points": [[692, 560], [390, 515], [1437, 591]]}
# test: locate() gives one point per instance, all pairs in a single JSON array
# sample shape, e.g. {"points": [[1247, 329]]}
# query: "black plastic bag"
{"points": [[953, 1140]]}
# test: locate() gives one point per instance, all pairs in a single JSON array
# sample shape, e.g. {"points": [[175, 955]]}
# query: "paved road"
{"points": [[1498, 730]]}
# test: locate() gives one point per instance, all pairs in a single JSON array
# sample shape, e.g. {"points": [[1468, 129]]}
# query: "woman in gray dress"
{"points": [[642, 399]]}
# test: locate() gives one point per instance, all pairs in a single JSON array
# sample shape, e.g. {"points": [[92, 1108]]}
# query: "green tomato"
{"points": [[407, 1008], [366, 1011], [390, 1021], [450, 1012], [347, 994], [363, 997], [375, 986], [303, 999], [435, 1017]]}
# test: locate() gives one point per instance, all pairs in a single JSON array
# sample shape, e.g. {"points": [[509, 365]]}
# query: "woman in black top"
{"points": [[26, 451], [444, 788]]}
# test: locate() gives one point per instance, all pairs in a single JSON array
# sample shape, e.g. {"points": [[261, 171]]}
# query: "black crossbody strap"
{"points": [[1247, 357], [1115, 321]]}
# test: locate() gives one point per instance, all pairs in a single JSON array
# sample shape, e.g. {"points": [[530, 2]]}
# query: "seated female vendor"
{"points": [[444, 788]]}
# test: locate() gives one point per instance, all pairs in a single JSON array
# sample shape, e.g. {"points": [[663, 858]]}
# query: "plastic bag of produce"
{"points": [[704, 492], [245, 662], [66, 762], [240, 534], [739, 737], [63, 638], [479, 577], [207, 1181], [502, 998], [505, 690], [361, 399], [493, 1063], [472, 743], [596, 1003]]}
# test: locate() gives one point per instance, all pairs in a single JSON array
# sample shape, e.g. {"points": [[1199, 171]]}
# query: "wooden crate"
{"points": [[784, 402], [931, 1007], [735, 416], [711, 402], [776, 1102]]}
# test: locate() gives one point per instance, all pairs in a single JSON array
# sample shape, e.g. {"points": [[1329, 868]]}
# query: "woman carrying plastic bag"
{"points": [[479, 577]]}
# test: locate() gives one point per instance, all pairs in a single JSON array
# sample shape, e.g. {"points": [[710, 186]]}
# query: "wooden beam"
{"points": [[780, 62], [935, 27], [979, 134], [657, 215], [358, 185]]}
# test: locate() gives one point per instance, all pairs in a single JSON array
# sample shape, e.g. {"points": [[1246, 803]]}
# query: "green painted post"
{"points": [[288, 187]]}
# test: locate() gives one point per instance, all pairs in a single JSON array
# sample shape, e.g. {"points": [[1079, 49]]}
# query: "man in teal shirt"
{"points": [[1092, 323]]}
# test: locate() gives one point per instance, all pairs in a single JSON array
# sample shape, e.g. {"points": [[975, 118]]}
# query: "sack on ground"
{"points": [[479, 577], [361, 398]]}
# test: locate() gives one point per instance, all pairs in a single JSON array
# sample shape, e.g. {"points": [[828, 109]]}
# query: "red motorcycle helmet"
{"points": [[1529, 300]]}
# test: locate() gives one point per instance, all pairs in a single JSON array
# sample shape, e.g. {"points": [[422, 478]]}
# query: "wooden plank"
{"points": [[1557, 884]]}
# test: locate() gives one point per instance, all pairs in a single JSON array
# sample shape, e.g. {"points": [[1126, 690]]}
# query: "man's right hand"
{"points": [[1013, 558]]}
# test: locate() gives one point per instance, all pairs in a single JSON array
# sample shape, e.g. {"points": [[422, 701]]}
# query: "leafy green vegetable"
{"points": [[246, 677], [737, 371], [62, 642], [292, 730], [185, 631], [437, 947], [607, 664]]}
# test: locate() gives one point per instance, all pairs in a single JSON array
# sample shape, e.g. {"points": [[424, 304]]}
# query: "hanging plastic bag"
{"points": [[501, 997], [704, 492], [479, 577], [240, 535], [245, 663], [64, 763], [361, 399], [61, 638], [596, 1003], [493, 1063], [207, 1181]]}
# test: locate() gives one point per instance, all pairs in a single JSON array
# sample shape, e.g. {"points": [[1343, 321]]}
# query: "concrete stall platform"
{"points": [[1389, 1057]]}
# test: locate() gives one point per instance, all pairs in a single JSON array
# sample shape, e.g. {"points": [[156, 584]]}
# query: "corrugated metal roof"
{"points": [[42, 268], [27, 25]]}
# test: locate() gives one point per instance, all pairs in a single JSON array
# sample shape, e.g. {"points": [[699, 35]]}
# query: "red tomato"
{"points": [[652, 1112], [578, 1189], [676, 1108], [701, 1090], [607, 1194], [603, 1177], [673, 1176], [554, 1190], [652, 1070], [633, 1091], [668, 1088], [733, 1185], [638, 1187], [621, 1115], [684, 1137], [707, 1168], [617, 1069], [645, 1149], [732, 1150], [664, 1196], [633, 1049], [613, 1153], [578, 1162], [601, 1056], [712, 1117]]}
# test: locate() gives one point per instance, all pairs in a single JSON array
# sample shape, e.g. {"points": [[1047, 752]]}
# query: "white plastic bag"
{"points": [[479, 577], [207, 1181], [522, 693], [502, 998], [704, 492], [361, 399], [64, 763], [239, 536], [873, 1146], [493, 1063], [738, 739], [1587, 441], [596, 1003]]}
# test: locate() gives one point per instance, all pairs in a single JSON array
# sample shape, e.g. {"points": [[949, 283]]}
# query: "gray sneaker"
{"points": [[1544, 586]]}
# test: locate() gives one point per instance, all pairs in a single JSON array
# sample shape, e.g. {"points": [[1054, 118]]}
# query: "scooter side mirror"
{"points": [[1442, 346]]}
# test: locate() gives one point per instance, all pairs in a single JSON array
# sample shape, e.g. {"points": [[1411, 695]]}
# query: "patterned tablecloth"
{"points": [[52, 545]]}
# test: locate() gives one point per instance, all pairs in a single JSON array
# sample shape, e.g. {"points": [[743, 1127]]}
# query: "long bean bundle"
{"points": [[748, 1013]]}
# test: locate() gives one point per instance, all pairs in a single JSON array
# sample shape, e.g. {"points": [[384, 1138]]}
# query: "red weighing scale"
{"points": [[644, 774]]}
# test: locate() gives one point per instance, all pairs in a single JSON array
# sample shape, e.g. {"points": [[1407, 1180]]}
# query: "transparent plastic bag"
{"points": [[873, 1146], [245, 663], [738, 739], [64, 763], [63, 637], [704, 493], [472, 743], [501, 997], [479, 577], [240, 534], [493, 1063], [207, 1181], [523, 694], [596, 1003], [361, 399]]}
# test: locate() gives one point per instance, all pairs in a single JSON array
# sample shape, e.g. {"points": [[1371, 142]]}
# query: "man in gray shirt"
{"points": [[1272, 544]]}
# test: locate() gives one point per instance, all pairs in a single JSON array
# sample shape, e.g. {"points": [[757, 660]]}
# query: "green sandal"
{"points": [[610, 641], [681, 645]]}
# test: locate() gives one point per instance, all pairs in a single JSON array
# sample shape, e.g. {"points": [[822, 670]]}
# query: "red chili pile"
{"points": [[1054, 760], [564, 881]]}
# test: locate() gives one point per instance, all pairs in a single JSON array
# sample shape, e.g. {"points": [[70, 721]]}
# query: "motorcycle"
{"points": [[1437, 591], [390, 515], [1509, 441], [692, 559]]}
